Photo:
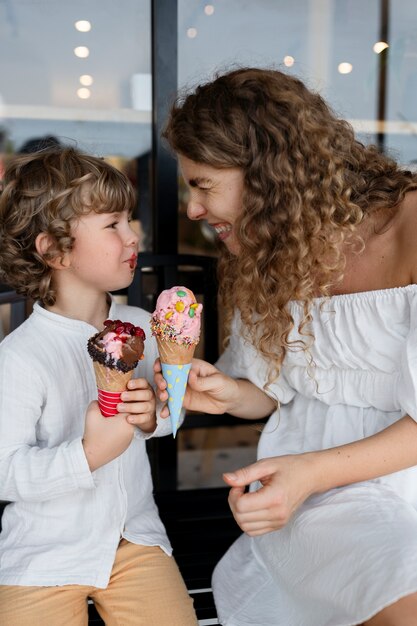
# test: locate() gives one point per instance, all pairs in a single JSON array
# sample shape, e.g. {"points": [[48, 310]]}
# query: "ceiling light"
{"points": [[209, 9], [82, 52], [192, 33], [83, 93], [345, 68], [289, 61], [379, 46], [83, 26], [86, 80]]}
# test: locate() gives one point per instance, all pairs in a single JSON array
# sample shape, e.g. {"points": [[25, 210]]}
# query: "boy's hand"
{"points": [[140, 404], [105, 438]]}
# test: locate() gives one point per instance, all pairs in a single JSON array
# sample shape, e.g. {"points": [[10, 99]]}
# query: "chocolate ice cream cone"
{"points": [[110, 384], [115, 351]]}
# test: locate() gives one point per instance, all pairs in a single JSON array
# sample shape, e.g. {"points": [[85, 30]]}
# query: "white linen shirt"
{"points": [[65, 522]]}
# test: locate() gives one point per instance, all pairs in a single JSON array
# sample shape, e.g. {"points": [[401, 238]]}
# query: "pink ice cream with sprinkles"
{"points": [[177, 316]]}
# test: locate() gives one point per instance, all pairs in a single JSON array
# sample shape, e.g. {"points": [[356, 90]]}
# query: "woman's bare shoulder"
{"points": [[407, 233]]}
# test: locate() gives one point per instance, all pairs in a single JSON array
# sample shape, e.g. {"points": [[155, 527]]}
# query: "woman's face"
{"points": [[215, 196]]}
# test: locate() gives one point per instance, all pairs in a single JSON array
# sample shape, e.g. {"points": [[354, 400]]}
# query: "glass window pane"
{"points": [[330, 44], [99, 99]]}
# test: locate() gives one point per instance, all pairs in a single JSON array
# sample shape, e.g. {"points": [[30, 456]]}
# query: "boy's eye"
{"points": [[112, 225]]}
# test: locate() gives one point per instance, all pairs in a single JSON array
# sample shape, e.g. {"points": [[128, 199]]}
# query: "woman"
{"points": [[318, 276]]}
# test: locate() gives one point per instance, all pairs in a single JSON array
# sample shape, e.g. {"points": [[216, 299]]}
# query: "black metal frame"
{"points": [[164, 88], [17, 303], [154, 273], [383, 70]]}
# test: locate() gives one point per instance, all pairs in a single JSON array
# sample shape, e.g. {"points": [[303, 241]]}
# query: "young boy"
{"points": [[81, 521]]}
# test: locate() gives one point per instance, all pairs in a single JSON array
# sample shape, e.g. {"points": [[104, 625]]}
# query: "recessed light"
{"points": [[379, 46], [82, 52], [83, 93], [86, 80], [345, 68], [83, 26]]}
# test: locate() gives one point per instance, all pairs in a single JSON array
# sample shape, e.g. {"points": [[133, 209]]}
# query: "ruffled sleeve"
{"points": [[242, 360], [407, 387]]}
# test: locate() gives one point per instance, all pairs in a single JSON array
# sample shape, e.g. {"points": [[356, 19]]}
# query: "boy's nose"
{"points": [[133, 238]]}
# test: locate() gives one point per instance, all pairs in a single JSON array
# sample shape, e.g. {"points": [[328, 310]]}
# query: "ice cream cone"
{"points": [[175, 353], [115, 351], [175, 324], [110, 379], [110, 384], [176, 365]]}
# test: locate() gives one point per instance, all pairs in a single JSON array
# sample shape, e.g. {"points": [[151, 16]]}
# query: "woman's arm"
{"points": [[391, 450], [211, 391], [288, 480]]}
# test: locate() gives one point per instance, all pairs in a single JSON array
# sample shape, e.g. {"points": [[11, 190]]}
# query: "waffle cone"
{"points": [[175, 353], [110, 379]]}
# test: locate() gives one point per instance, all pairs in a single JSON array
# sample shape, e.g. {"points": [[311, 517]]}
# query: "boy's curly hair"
{"points": [[307, 184], [44, 192]]}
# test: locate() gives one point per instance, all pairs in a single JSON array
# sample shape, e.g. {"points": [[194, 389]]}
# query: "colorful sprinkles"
{"points": [[169, 327]]}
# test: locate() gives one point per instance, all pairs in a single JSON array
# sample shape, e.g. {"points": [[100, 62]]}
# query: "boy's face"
{"points": [[104, 251]]}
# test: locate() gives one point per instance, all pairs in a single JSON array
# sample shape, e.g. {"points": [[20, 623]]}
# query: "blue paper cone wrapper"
{"points": [[176, 377]]}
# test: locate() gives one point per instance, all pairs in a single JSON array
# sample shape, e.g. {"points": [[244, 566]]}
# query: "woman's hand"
{"points": [[140, 404], [208, 389], [211, 391], [286, 482]]}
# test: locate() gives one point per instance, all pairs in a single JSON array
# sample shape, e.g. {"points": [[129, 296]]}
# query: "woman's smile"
{"points": [[222, 230]]}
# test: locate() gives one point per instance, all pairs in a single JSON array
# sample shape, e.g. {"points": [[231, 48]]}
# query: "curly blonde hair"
{"points": [[45, 192], [307, 184]]}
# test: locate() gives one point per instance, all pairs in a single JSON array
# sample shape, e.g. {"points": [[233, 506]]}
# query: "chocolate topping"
{"points": [[132, 346]]}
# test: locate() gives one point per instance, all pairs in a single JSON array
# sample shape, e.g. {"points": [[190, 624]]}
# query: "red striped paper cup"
{"points": [[108, 401]]}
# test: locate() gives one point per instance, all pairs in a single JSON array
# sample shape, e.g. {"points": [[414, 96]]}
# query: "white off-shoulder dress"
{"points": [[349, 552]]}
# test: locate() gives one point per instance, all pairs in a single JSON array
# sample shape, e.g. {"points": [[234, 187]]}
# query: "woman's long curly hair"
{"points": [[45, 192], [307, 184]]}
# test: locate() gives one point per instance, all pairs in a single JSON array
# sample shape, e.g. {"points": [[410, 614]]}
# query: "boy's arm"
{"points": [[105, 439], [31, 473], [28, 470]]}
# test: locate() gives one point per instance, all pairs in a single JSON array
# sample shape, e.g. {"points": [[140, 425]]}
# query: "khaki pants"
{"points": [[145, 589]]}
